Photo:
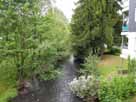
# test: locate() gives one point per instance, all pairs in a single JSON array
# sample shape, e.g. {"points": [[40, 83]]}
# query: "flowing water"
{"points": [[55, 90]]}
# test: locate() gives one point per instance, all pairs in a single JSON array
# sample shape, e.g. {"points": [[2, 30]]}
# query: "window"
{"points": [[124, 42]]}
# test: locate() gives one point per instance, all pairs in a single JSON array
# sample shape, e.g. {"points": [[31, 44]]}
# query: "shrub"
{"points": [[114, 50], [84, 87], [131, 66], [90, 66], [117, 89]]}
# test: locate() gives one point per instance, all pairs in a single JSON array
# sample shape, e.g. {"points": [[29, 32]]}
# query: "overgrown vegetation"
{"points": [[85, 88], [7, 80], [117, 90], [87, 85], [120, 87], [93, 26], [114, 50], [90, 67], [132, 67], [35, 39], [32, 42], [109, 65]]}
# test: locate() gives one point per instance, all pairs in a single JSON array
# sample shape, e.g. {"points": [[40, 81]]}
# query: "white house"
{"points": [[129, 29]]}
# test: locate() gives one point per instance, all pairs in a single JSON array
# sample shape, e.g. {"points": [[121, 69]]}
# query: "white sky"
{"points": [[66, 6]]}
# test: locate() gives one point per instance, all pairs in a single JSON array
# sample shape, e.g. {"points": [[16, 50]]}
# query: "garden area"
{"points": [[110, 64], [44, 57]]}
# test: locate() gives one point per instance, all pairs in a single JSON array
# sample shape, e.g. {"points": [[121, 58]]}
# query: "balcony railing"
{"points": [[125, 28]]}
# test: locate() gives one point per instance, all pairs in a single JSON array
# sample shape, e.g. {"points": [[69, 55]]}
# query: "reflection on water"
{"points": [[55, 90]]}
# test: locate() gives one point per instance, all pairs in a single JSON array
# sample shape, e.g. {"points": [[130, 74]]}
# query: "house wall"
{"points": [[132, 15], [125, 5], [132, 44], [131, 34], [131, 51]]}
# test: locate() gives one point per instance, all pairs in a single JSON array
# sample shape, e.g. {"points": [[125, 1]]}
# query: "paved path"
{"points": [[54, 91]]}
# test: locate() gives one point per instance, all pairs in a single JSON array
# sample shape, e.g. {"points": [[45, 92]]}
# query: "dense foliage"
{"points": [[34, 42], [114, 50], [90, 67], [86, 88], [132, 67], [19, 19], [117, 90], [7, 79], [55, 43], [87, 85], [34, 38], [93, 25], [117, 38]]}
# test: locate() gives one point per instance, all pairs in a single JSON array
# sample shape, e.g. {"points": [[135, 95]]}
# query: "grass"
{"points": [[109, 64], [7, 80], [132, 99], [6, 93]]}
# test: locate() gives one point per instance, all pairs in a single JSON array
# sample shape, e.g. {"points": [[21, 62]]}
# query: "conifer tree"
{"points": [[92, 25]]}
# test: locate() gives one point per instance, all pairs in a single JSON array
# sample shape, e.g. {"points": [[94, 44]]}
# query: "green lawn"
{"points": [[7, 80], [109, 64], [6, 92], [133, 99]]}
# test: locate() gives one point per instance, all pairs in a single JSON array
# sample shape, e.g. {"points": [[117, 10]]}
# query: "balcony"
{"points": [[125, 28]]}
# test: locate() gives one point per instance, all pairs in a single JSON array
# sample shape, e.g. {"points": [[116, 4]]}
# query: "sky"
{"points": [[66, 6]]}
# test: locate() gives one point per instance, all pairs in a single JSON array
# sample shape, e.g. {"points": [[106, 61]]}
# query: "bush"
{"points": [[114, 50], [117, 89], [90, 66], [84, 87], [131, 66]]}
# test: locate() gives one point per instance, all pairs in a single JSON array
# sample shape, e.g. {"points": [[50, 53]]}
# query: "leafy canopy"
{"points": [[92, 25]]}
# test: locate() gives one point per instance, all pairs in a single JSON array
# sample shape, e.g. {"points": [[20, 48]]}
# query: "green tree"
{"points": [[18, 20], [35, 41], [32, 42], [117, 39], [92, 25], [54, 44]]}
